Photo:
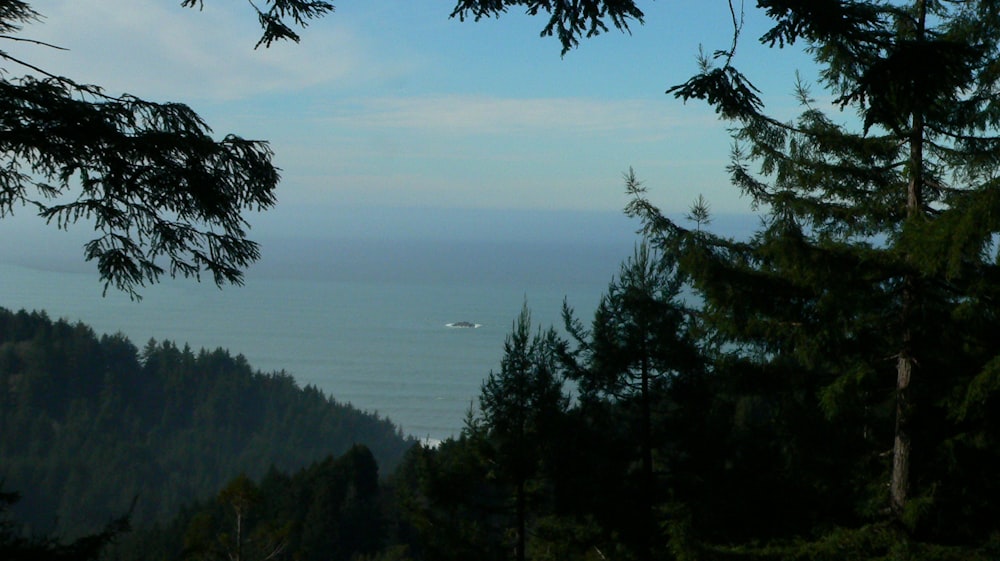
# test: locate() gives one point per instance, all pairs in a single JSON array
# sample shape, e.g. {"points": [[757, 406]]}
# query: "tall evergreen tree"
{"points": [[875, 273], [872, 285], [519, 407], [641, 337]]}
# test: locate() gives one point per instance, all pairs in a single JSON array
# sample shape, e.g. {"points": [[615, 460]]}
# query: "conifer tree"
{"points": [[16, 544], [872, 284], [519, 406], [641, 337], [875, 271], [163, 196]]}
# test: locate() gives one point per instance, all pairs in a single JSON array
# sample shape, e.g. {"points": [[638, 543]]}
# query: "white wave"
{"points": [[463, 325], [430, 442]]}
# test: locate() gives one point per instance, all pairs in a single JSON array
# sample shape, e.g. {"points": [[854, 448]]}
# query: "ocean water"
{"points": [[366, 322]]}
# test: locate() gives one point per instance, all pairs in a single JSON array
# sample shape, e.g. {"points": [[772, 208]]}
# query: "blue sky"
{"points": [[388, 108]]}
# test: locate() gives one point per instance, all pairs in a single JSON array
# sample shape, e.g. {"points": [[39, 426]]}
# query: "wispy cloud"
{"points": [[160, 49], [356, 118], [497, 115]]}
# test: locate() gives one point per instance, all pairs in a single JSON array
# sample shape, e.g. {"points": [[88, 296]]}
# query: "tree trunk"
{"points": [[899, 485], [647, 461], [521, 515]]}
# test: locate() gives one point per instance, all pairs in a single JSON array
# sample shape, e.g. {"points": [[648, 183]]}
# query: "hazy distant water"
{"points": [[363, 321]]}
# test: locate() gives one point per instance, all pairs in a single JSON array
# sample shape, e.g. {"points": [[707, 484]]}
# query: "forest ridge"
{"points": [[172, 425]]}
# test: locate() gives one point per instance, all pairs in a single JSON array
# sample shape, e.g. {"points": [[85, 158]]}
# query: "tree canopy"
{"points": [[171, 423], [569, 21], [163, 195], [863, 312]]}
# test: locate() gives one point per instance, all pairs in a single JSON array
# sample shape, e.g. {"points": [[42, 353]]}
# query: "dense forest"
{"points": [[170, 424], [630, 436]]}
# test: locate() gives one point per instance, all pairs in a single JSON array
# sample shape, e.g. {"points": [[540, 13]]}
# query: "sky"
{"points": [[391, 117]]}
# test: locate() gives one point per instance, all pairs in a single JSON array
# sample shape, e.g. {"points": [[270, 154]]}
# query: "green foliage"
{"points": [[273, 20], [520, 406], [640, 342], [171, 424], [640, 333], [19, 544], [391, 553], [868, 272], [700, 213], [330, 510], [163, 195], [447, 504], [520, 403], [568, 21], [852, 339], [867, 543], [140, 166]]}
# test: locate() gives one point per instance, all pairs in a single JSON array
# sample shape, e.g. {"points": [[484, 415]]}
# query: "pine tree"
{"points": [[871, 288], [519, 406], [875, 272], [641, 337]]}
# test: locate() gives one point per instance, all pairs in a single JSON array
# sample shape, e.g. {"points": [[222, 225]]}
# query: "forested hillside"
{"points": [[670, 448], [88, 423], [331, 510]]}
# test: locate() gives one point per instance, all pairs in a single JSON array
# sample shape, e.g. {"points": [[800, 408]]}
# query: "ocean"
{"points": [[364, 321]]}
